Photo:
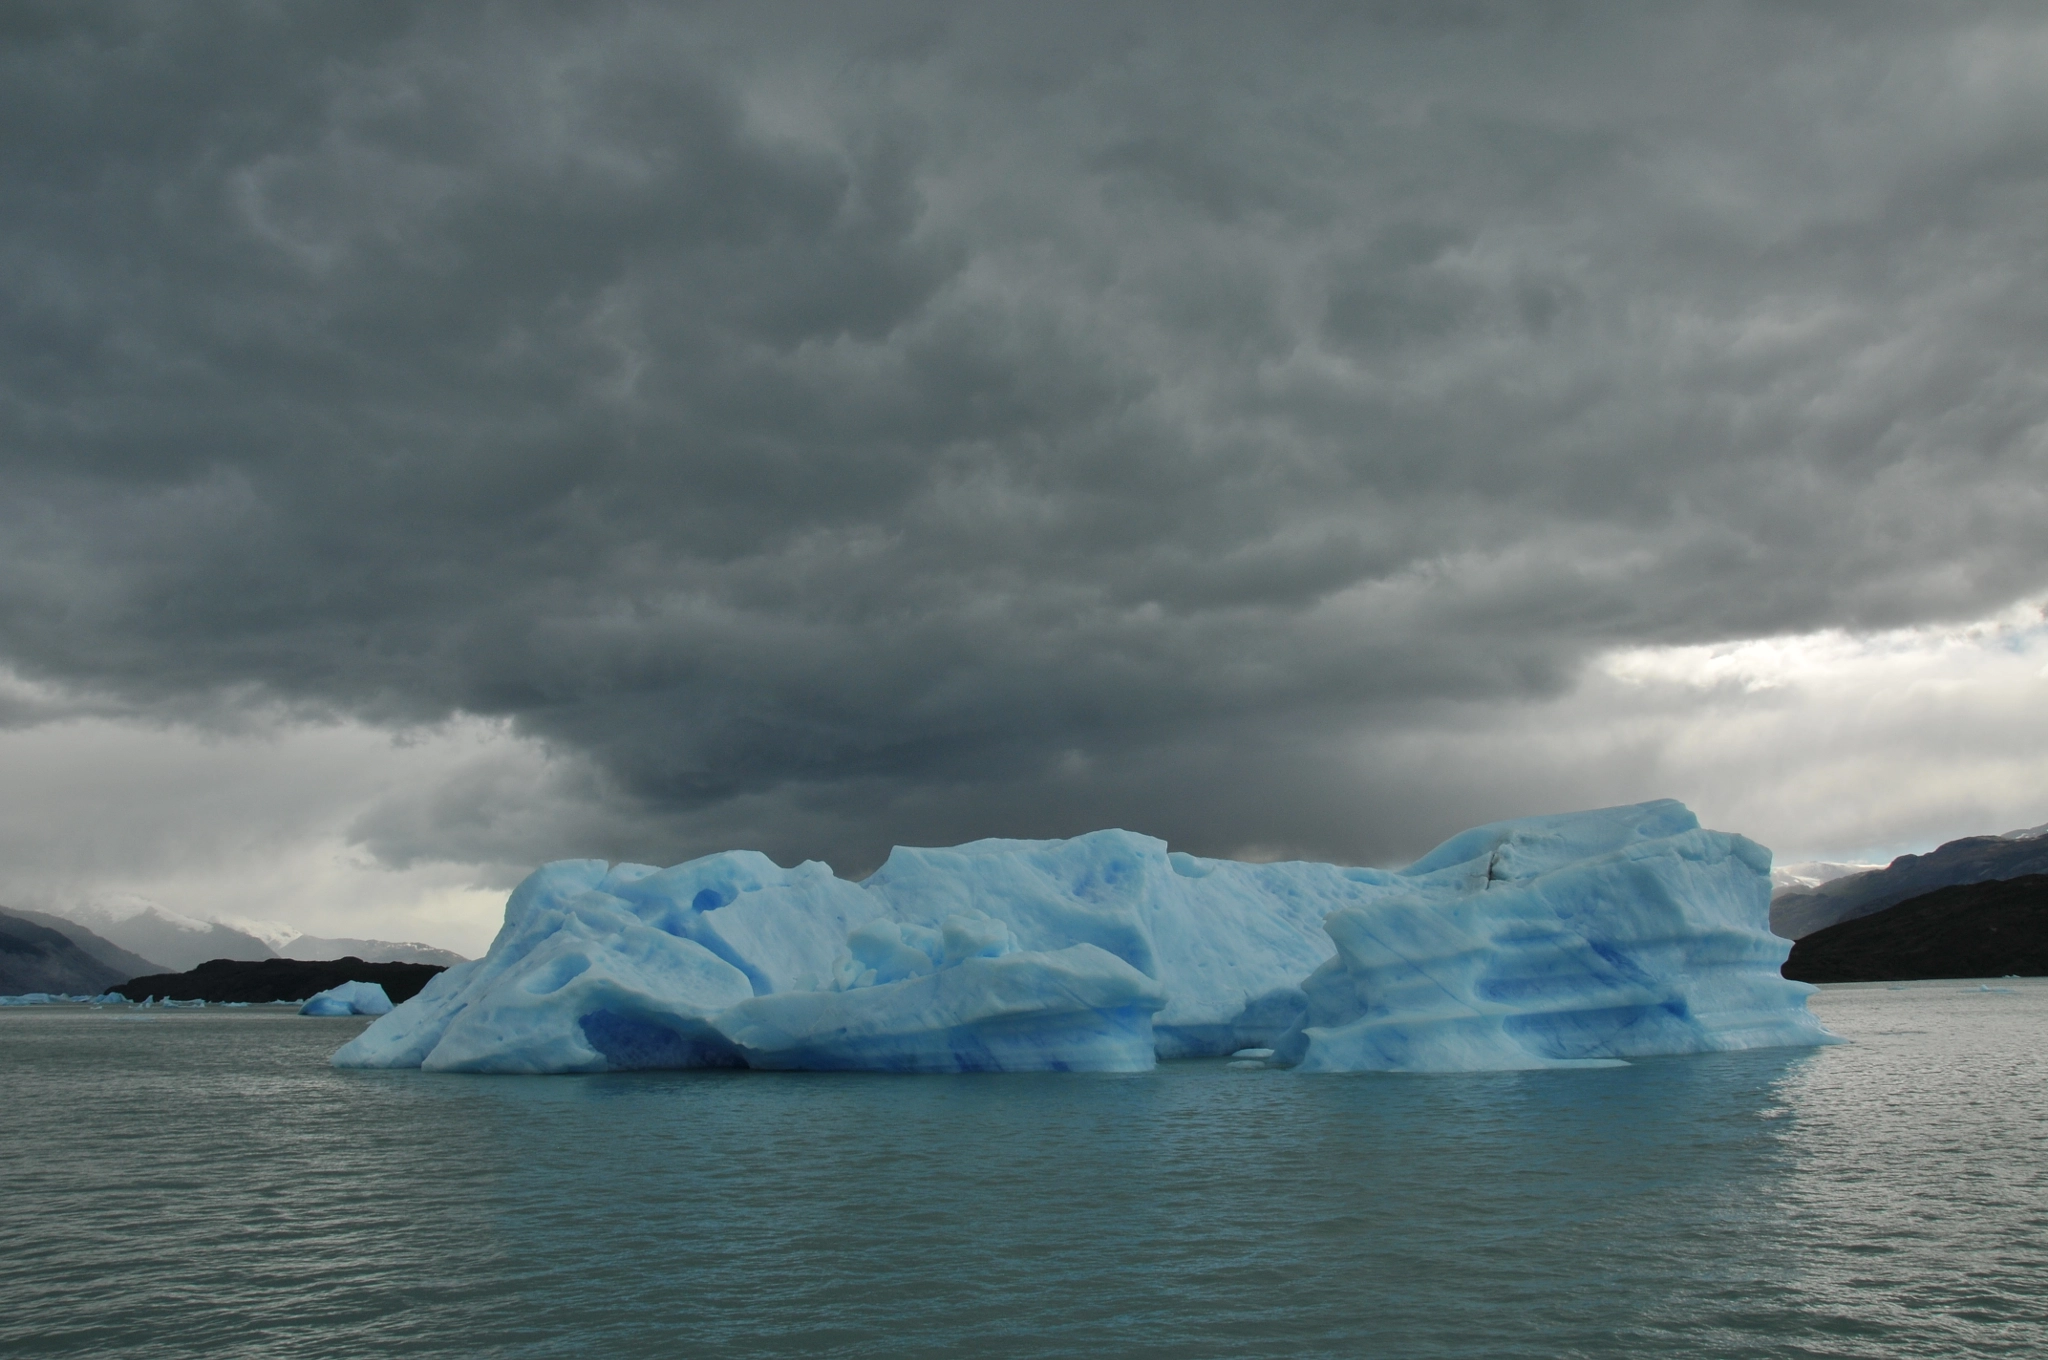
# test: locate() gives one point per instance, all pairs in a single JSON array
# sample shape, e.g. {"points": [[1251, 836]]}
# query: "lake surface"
{"points": [[190, 1183]]}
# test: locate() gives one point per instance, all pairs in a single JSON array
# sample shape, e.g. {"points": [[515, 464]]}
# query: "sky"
{"points": [[439, 439]]}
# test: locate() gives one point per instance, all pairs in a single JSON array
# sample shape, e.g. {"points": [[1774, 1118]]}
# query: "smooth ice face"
{"points": [[350, 998], [1078, 1009], [784, 929], [1565, 943], [1588, 937], [575, 982], [1228, 943]]}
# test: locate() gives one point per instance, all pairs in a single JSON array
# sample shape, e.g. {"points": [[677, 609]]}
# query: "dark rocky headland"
{"points": [[277, 979], [1970, 930]]}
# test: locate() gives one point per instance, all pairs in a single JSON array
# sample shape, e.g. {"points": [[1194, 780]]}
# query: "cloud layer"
{"points": [[825, 428]]}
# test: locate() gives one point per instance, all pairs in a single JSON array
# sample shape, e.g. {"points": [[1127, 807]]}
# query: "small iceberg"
{"points": [[350, 998]]}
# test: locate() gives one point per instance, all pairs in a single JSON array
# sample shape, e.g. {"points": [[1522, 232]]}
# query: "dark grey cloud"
{"points": [[838, 426]]}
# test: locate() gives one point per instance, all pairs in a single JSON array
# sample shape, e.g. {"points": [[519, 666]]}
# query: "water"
{"points": [[201, 1183]]}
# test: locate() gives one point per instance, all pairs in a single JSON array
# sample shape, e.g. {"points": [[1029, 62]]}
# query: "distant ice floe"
{"points": [[1587, 938]]}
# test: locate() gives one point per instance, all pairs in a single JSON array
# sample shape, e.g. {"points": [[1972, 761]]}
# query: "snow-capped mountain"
{"points": [[370, 951], [292, 943], [276, 934], [171, 938], [1811, 874]]}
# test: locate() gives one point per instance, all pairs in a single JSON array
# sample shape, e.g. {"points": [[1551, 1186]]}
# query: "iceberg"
{"points": [[350, 998], [1586, 938]]}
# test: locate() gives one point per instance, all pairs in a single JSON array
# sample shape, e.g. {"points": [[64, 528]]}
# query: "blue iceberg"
{"points": [[1592, 937], [350, 998]]}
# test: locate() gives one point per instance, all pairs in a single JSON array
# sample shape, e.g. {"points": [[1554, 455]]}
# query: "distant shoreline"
{"points": [[258, 980]]}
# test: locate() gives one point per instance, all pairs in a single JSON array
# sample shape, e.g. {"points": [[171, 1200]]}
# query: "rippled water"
{"points": [[201, 1183]]}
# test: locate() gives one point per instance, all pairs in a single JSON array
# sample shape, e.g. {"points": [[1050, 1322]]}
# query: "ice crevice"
{"points": [[1588, 938]]}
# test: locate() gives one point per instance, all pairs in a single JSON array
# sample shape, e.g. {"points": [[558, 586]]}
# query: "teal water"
{"points": [[200, 1183]]}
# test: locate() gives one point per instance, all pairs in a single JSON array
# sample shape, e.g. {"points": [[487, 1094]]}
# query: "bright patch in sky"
{"points": [[1795, 741], [1845, 745]]}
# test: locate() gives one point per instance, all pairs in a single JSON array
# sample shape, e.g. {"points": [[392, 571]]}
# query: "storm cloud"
{"points": [[823, 427]]}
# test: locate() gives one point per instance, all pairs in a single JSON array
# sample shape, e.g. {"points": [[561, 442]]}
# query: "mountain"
{"points": [[1798, 913], [35, 958], [290, 943], [374, 951], [136, 937], [276, 934], [1969, 930], [175, 940], [1806, 876], [122, 961]]}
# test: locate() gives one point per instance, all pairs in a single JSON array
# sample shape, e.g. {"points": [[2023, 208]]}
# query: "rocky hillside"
{"points": [[1974, 859], [1969, 930], [36, 958], [125, 963]]}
